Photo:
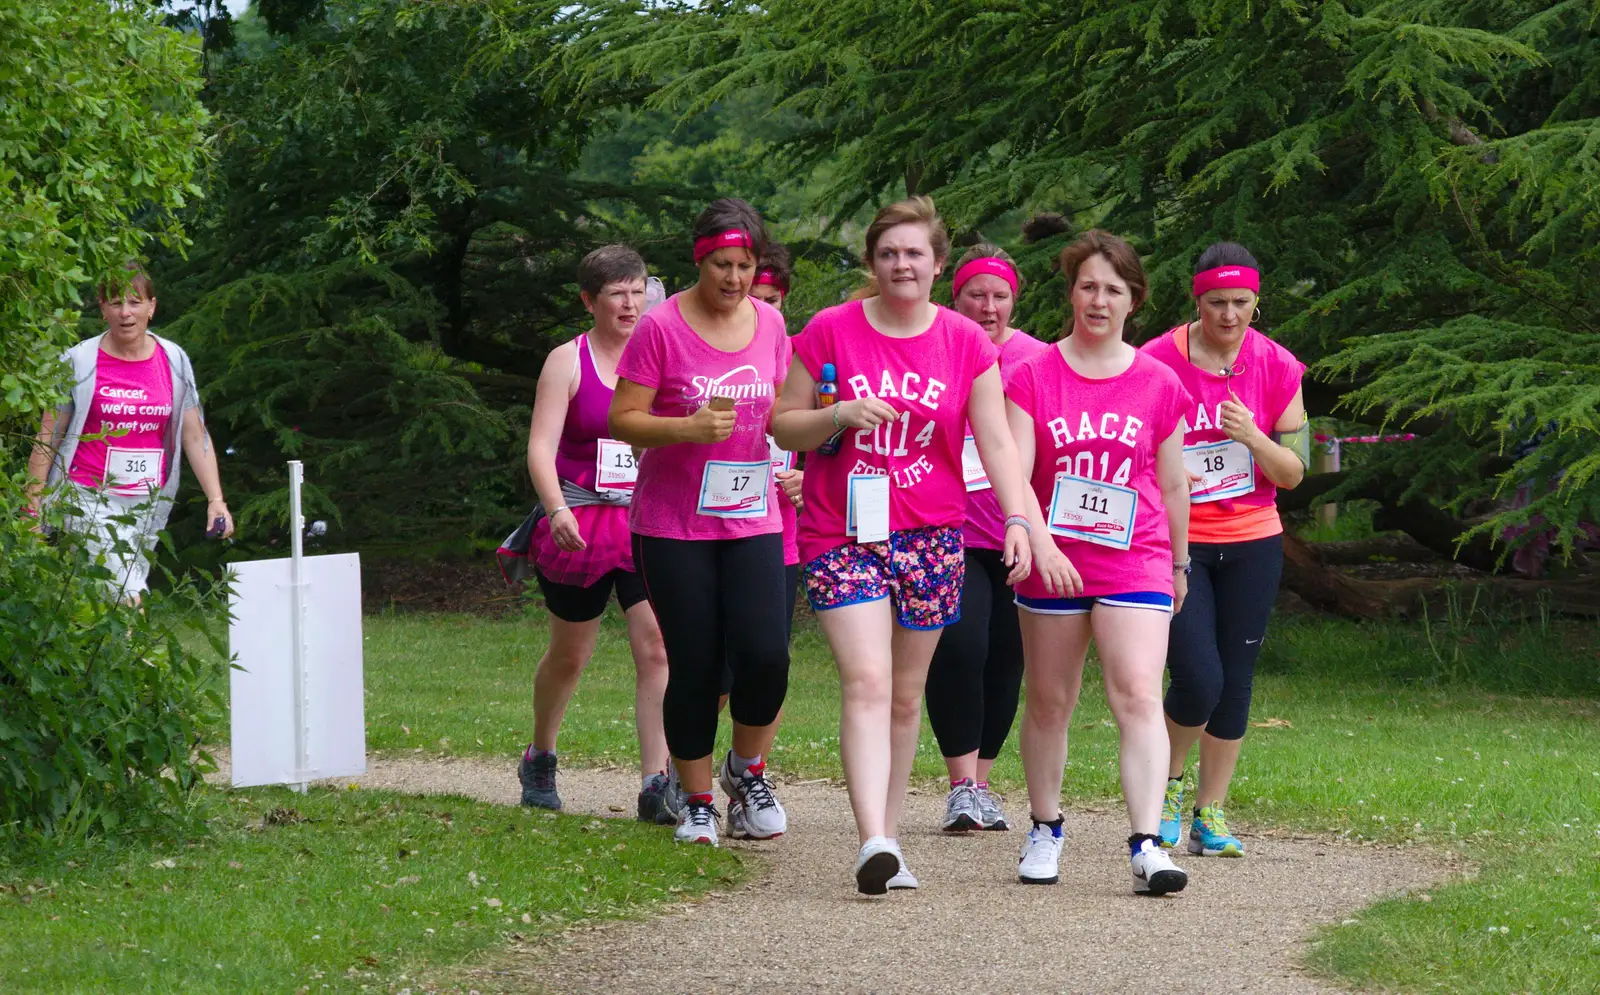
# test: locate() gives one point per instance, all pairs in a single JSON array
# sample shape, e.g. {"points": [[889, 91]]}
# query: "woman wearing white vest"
{"points": [[116, 447]]}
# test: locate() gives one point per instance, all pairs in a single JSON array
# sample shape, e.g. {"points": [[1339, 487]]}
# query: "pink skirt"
{"points": [[609, 546]]}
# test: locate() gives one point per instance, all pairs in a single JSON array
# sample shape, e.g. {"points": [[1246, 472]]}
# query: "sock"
{"points": [[958, 782], [983, 785], [1175, 780], [705, 798], [1197, 811], [739, 764], [532, 754], [1054, 825], [1142, 841], [644, 780]]}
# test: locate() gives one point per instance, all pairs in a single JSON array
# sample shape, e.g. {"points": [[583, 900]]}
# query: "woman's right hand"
{"points": [[708, 425], [1052, 566], [564, 530], [866, 412]]}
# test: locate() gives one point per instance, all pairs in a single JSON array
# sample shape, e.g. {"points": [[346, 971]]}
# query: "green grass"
{"points": [[374, 888], [1386, 739]]}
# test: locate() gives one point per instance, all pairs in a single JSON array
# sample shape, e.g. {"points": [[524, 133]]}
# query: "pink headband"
{"points": [[766, 274], [982, 265], [1227, 278], [704, 247]]}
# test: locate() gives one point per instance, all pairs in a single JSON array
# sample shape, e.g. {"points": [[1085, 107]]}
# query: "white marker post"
{"points": [[297, 695]]}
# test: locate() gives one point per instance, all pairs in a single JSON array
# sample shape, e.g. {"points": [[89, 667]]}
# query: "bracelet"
{"points": [[1185, 565], [553, 512], [836, 416], [1021, 520]]}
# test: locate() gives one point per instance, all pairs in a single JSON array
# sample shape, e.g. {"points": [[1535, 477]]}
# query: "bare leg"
{"points": [[1053, 650], [1183, 739], [967, 765], [860, 636], [1218, 758], [694, 775], [556, 678], [1133, 652], [912, 651], [649, 686]]}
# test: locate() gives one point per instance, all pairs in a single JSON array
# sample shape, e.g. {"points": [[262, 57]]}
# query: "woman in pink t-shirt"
{"points": [[1246, 437], [880, 526], [976, 674], [581, 548], [1099, 426], [695, 390]]}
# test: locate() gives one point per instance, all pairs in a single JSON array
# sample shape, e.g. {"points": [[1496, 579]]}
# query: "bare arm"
{"points": [[1174, 481], [202, 456], [986, 412], [632, 422], [799, 426], [39, 460], [1050, 564], [550, 400]]}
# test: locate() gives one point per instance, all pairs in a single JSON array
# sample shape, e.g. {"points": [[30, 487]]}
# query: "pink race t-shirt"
{"points": [[927, 378], [986, 526], [128, 394], [694, 490], [1238, 503], [1106, 431]]}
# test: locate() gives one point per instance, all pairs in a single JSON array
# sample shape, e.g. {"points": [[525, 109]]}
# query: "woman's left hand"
{"points": [[1018, 554], [790, 481], [217, 508]]}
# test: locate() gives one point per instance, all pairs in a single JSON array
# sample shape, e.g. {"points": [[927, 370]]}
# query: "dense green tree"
{"points": [[1417, 176]]}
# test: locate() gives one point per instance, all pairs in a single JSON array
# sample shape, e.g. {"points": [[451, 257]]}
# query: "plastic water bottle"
{"points": [[827, 396]]}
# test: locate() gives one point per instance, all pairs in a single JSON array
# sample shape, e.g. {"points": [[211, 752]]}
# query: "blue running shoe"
{"points": [[1172, 814], [1209, 836]]}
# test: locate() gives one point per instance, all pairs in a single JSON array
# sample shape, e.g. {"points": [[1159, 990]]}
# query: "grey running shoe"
{"points": [[653, 802], [674, 799], [699, 825], [990, 815], [761, 817], [961, 809], [538, 777]]}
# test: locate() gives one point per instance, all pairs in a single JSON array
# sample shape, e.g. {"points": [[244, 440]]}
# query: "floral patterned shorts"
{"points": [[921, 569]]}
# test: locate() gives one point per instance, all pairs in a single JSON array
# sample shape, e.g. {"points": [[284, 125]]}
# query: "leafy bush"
{"points": [[103, 705]]}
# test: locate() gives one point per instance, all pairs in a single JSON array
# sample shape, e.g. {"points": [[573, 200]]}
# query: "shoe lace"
{"points": [[703, 814], [757, 791], [544, 778], [1172, 802], [1212, 816]]}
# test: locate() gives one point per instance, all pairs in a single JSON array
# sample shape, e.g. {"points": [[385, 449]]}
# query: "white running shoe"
{"points": [[1041, 856], [878, 862], [699, 824], [961, 809], [903, 880], [1154, 873], [763, 818], [990, 814]]}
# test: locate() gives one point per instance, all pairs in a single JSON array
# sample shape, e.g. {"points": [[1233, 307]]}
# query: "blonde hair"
{"points": [[911, 211]]}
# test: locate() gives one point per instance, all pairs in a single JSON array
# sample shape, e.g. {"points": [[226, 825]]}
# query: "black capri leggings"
{"points": [[976, 674], [1217, 637], [717, 600]]}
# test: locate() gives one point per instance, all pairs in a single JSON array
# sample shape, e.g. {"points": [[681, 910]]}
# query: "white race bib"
{"points": [[735, 490], [867, 510], [1227, 467], [1093, 511], [782, 459], [615, 469], [133, 471], [972, 471]]}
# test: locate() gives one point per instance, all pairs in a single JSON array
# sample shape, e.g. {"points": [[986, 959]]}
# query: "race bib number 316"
{"points": [[133, 471], [1093, 511]]}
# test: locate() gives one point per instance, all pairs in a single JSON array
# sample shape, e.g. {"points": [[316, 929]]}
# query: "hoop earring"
{"points": [[1257, 319]]}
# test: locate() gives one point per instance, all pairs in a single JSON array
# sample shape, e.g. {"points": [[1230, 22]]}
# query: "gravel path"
{"points": [[799, 926]]}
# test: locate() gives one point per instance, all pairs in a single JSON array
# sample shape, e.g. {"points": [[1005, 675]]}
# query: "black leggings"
{"points": [[976, 674], [717, 600], [1217, 637], [791, 590]]}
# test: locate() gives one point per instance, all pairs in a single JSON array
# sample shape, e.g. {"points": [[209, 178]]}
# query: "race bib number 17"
{"points": [[735, 490]]}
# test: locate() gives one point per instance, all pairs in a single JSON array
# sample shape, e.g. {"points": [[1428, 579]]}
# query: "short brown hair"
{"points": [[130, 277], [988, 250], [911, 211], [608, 264], [1118, 253]]}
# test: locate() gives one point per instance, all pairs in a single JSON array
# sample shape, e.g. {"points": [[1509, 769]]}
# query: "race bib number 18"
{"points": [[1227, 470], [735, 490], [1093, 511]]}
